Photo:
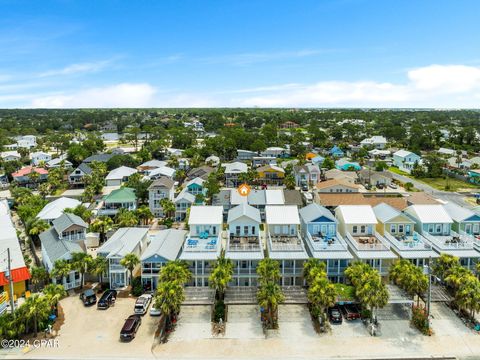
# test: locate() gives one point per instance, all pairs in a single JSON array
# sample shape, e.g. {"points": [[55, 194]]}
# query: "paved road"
{"points": [[442, 195]]}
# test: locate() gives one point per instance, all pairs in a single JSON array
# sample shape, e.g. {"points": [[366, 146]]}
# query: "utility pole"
{"points": [[10, 281], [428, 270]]}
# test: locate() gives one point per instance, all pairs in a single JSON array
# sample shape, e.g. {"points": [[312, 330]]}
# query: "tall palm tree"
{"points": [[169, 297], [221, 275], [80, 262], [456, 275], [443, 264], [313, 268], [168, 207], [54, 293], [38, 276], [98, 267], [372, 292], [102, 225], [130, 261], [356, 271], [126, 218], [81, 211], [468, 295], [269, 296], [175, 271], [321, 294], [144, 215], [61, 269], [37, 310], [35, 227], [268, 270]]}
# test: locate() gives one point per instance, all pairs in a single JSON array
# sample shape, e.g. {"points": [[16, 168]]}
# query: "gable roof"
{"points": [[120, 173], [27, 170], [314, 211], [457, 212], [58, 248], [292, 197], [55, 209], [9, 238], [153, 164], [270, 167], [385, 212], [162, 182], [282, 214], [85, 168], [123, 194], [336, 199], [197, 180], [336, 182], [403, 153], [235, 167], [123, 241], [205, 214], [430, 213], [185, 195], [66, 220], [244, 210], [98, 157], [165, 244], [357, 214]]}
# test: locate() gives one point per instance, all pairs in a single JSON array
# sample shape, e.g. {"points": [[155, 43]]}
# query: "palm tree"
{"points": [[144, 215], [443, 264], [269, 296], [169, 297], [268, 270], [61, 269], [356, 271], [130, 261], [313, 268], [39, 276], [221, 275], [321, 294], [372, 292], [289, 181], [98, 267], [456, 275], [35, 227], [102, 225], [176, 270], [54, 293], [37, 310], [80, 211], [168, 207], [468, 295], [80, 262], [126, 218]]}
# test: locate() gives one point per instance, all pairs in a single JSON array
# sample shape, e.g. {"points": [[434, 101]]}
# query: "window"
{"points": [[400, 228], [393, 228], [214, 230], [438, 228], [253, 230], [354, 229], [362, 229], [237, 230], [245, 230], [430, 228]]}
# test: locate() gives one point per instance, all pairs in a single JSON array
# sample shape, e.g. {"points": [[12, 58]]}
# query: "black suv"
{"points": [[335, 315], [108, 299], [129, 329], [88, 297]]}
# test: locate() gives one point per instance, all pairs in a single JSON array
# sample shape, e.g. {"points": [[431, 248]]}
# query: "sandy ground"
{"points": [[90, 333]]}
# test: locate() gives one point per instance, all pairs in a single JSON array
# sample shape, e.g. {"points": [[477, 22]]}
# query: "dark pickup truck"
{"points": [[350, 312]]}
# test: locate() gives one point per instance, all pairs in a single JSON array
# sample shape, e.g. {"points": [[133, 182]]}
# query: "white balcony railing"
{"points": [[380, 243], [415, 242], [285, 242], [454, 241], [334, 244]]}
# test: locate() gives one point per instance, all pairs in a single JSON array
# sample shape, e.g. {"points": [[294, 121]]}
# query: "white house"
{"points": [[406, 160], [59, 161], [118, 176], [232, 173], [55, 209], [40, 156], [10, 155], [275, 151], [163, 188], [378, 142], [27, 141], [125, 241], [212, 160]]}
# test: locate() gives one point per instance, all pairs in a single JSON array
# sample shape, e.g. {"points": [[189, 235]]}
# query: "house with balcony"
{"points": [[203, 243], [465, 222], [183, 202], [195, 187], [232, 173], [306, 174], [120, 198], [271, 175], [53, 210], [38, 157], [10, 156], [406, 160], [128, 240], [29, 176], [66, 236], [284, 243], [319, 231], [399, 230], [378, 142], [337, 186], [77, 176], [163, 188], [244, 245], [165, 246], [435, 224], [245, 155], [119, 176], [276, 151], [357, 224]]}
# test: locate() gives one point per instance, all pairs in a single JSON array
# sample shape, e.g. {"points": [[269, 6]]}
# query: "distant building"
{"points": [[378, 142], [40, 156], [119, 176], [160, 189], [406, 160]]}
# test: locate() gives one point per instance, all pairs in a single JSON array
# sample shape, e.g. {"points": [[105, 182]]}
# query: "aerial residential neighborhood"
{"points": [[240, 179]]}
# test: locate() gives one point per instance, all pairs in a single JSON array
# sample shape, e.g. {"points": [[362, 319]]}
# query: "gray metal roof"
{"points": [[162, 182], [66, 220], [244, 210], [123, 241], [85, 168], [458, 213], [314, 211], [166, 244], [58, 248], [98, 157], [385, 212]]}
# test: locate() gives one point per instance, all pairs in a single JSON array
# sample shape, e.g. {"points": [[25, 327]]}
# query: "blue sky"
{"points": [[239, 53]]}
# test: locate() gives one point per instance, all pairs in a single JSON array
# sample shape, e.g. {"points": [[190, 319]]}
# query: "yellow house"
{"points": [[271, 174]]}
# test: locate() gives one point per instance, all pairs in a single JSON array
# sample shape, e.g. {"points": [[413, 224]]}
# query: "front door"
{"points": [[117, 280], [408, 230], [468, 228]]}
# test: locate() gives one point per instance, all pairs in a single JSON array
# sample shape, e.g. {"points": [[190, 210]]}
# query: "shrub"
{"points": [[137, 287], [420, 320]]}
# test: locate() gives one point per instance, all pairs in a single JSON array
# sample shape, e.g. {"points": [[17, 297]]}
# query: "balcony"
{"points": [[202, 244], [326, 243], [285, 242], [454, 241], [244, 243], [413, 242]]}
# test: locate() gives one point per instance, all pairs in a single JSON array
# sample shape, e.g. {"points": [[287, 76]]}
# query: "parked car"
{"points": [[141, 305], [350, 312], [380, 186], [88, 297], [393, 186], [108, 299], [129, 329], [304, 186], [335, 315], [154, 311]]}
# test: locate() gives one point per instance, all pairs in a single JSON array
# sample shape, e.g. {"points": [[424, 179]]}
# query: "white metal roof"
{"points": [[56, 208], [235, 167], [274, 197], [457, 212], [166, 243], [284, 214], [120, 173], [314, 211], [385, 212], [402, 153], [428, 214], [209, 215], [123, 241], [163, 170], [154, 163], [9, 239], [244, 210], [357, 214]]}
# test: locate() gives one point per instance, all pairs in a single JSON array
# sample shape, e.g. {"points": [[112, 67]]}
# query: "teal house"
{"points": [[347, 165], [335, 151]]}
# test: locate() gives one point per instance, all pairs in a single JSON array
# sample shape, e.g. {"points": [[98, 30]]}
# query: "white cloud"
{"points": [[445, 78], [80, 68], [121, 95]]}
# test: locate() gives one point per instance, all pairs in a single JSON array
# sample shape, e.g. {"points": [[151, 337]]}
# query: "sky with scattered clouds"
{"points": [[222, 53]]}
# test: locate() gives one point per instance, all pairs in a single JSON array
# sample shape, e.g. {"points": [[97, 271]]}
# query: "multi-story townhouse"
{"points": [[55, 209], [183, 202], [123, 198], [163, 188], [357, 224], [232, 173], [271, 175], [119, 175], [319, 231]]}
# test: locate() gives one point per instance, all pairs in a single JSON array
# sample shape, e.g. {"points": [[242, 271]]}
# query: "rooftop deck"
{"points": [[285, 242], [370, 246], [414, 246], [454, 241], [244, 243], [328, 247]]}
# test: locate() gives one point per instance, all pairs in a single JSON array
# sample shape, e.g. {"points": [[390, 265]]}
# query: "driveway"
{"points": [[294, 321], [194, 322], [244, 322], [88, 331]]}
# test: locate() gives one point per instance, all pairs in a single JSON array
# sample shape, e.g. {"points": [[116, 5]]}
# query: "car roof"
{"points": [[89, 292]]}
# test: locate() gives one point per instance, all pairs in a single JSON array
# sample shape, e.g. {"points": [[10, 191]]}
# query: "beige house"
{"points": [[337, 186]]}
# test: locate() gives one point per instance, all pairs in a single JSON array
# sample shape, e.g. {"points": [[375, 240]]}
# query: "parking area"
{"points": [[88, 331], [294, 321], [194, 322], [244, 322], [446, 323]]}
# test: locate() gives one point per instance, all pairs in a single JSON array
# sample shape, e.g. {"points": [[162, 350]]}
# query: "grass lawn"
{"points": [[345, 292], [454, 184], [398, 171]]}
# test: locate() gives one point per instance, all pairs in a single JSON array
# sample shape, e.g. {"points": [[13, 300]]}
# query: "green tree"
{"points": [[175, 271], [38, 276], [221, 275], [37, 310], [98, 267], [126, 218], [81, 262], [168, 298], [269, 296], [81, 211], [61, 269], [130, 261], [321, 295], [102, 225]]}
